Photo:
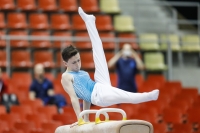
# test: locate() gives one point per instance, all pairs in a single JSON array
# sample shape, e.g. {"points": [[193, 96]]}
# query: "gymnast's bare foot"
{"points": [[85, 16]]}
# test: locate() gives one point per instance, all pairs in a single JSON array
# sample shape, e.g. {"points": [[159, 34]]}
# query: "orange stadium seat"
{"points": [[12, 131], [26, 5], [51, 126], [38, 21], [90, 5], [186, 127], [172, 116], [48, 111], [193, 115], [107, 45], [59, 62], [21, 58], [159, 127], [85, 43], [156, 77], [3, 62], [7, 5], [17, 21], [87, 60], [58, 44], [65, 118], [4, 126], [128, 36], [41, 43], [2, 20], [22, 43], [34, 104], [26, 127], [68, 5], [21, 78], [22, 110], [2, 109], [49, 76], [60, 22], [113, 79], [2, 41], [44, 57], [47, 5], [10, 119], [104, 23], [78, 23], [37, 119]]}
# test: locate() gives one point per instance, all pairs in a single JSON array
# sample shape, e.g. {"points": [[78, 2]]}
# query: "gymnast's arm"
{"points": [[68, 87], [86, 106]]}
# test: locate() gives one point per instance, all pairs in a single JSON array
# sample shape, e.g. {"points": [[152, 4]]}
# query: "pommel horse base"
{"points": [[107, 126]]}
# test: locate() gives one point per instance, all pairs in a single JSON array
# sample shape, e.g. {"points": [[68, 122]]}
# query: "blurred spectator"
{"points": [[5, 98], [42, 88], [127, 64], [3, 85]]}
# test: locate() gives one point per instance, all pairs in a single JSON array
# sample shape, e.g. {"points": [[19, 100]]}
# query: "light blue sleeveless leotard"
{"points": [[83, 85]]}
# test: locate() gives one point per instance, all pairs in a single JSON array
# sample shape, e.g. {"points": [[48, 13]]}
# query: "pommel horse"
{"points": [[107, 126]]}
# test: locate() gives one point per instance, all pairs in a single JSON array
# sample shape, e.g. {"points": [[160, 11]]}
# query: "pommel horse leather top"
{"points": [[107, 126]]}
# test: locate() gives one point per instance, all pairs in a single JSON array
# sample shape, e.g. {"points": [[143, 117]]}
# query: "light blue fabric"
{"points": [[83, 85]]}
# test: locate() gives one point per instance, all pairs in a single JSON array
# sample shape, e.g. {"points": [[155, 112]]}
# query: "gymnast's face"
{"points": [[74, 63]]}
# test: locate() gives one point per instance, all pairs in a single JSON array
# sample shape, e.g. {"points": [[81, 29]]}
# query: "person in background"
{"points": [[42, 88], [3, 85], [127, 64]]}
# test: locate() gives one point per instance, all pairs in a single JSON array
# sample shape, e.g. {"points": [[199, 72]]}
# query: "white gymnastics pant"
{"points": [[104, 94]]}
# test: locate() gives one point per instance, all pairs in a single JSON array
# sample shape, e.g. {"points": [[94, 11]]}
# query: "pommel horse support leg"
{"points": [[123, 126]]}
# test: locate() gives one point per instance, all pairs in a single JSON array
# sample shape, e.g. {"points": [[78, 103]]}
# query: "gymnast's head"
{"points": [[71, 58]]}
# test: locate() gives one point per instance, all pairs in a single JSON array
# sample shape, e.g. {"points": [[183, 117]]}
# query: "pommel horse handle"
{"points": [[81, 120], [105, 110]]}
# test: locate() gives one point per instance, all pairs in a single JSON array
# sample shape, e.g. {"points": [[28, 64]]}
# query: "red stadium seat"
{"points": [[68, 5], [3, 61], [159, 127], [113, 79], [78, 23], [47, 5], [2, 41], [139, 80], [38, 21], [24, 126], [2, 109], [156, 77], [172, 116], [2, 20], [17, 21], [51, 126], [12, 131], [21, 78], [85, 43], [89, 5], [7, 5], [104, 23], [128, 36], [37, 119], [44, 57], [41, 43], [107, 45], [87, 60], [59, 62], [22, 110], [10, 119], [65, 118], [4, 126], [34, 104], [60, 22], [187, 127], [57, 44], [21, 58], [48, 111], [26, 5], [22, 43]]}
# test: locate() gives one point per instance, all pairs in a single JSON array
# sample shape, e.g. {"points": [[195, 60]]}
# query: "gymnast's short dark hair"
{"points": [[68, 52]]}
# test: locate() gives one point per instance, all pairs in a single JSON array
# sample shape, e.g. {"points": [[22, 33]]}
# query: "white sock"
{"points": [[85, 16], [153, 95]]}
